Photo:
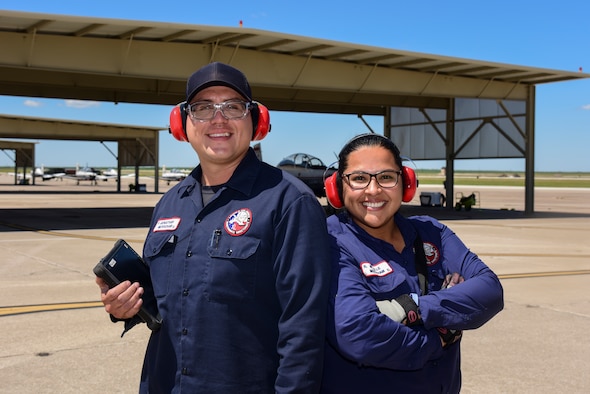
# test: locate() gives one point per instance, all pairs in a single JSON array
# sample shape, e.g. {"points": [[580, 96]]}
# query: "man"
{"points": [[238, 257]]}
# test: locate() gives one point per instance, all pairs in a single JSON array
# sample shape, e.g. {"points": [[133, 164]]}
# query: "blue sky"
{"points": [[549, 34]]}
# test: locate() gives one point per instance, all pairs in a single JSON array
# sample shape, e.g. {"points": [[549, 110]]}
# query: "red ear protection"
{"points": [[410, 183], [332, 194], [178, 122], [262, 124], [409, 180], [260, 119]]}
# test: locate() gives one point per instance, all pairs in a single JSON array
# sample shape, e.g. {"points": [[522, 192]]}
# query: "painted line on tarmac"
{"points": [[585, 256], [61, 234], [543, 274], [19, 310]]}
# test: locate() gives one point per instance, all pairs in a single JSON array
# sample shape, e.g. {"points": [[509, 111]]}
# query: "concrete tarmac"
{"points": [[57, 338]]}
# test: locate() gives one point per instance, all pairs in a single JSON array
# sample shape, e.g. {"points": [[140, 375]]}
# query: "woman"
{"points": [[403, 289]]}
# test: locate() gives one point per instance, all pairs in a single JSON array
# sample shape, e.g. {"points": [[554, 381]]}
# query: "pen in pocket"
{"points": [[215, 238]]}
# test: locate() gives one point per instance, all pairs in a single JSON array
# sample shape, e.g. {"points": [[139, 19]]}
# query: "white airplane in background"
{"points": [[82, 174], [41, 172], [79, 174], [47, 174], [174, 175], [111, 173]]}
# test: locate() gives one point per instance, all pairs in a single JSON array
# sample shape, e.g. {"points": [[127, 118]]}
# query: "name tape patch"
{"points": [[381, 268], [166, 224]]}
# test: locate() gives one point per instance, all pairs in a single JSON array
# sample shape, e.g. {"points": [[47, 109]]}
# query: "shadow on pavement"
{"points": [[442, 213], [73, 218], [57, 219]]}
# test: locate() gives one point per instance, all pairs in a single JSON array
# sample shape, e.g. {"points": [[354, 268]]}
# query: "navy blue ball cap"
{"points": [[217, 74]]}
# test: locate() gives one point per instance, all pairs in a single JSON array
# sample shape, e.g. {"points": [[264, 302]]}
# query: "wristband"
{"points": [[412, 314]]}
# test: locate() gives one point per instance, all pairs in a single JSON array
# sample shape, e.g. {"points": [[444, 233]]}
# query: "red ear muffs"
{"points": [[410, 183], [409, 180], [260, 119], [332, 194], [178, 122]]}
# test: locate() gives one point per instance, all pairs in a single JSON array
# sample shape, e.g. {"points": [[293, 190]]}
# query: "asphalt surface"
{"points": [[55, 339]]}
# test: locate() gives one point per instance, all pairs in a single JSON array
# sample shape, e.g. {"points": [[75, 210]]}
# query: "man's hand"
{"points": [[452, 280], [122, 301]]}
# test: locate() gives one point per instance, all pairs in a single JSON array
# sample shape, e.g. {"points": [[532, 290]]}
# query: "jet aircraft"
{"points": [[309, 169]]}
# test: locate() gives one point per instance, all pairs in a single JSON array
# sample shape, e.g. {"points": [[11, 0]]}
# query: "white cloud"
{"points": [[586, 107], [32, 103], [81, 104]]}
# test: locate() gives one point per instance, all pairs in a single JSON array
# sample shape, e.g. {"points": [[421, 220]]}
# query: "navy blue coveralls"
{"points": [[242, 286], [367, 352]]}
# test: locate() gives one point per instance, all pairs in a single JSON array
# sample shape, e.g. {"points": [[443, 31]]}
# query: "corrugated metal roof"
{"points": [[265, 41]]}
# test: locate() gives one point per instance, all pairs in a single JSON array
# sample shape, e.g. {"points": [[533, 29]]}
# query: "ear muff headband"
{"points": [[409, 182], [260, 121]]}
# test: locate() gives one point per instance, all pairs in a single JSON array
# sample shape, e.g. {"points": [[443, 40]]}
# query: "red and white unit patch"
{"points": [[238, 222], [432, 254]]}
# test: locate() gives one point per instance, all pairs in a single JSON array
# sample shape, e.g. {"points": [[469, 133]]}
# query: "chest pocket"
{"points": [[158, 253], [233, 264], [436, 277]]}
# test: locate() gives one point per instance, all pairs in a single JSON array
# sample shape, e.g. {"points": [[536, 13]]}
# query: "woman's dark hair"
{"points": [[363, 140], [360, 141]]}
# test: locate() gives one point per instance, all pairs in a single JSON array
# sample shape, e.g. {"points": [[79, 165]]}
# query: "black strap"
{"points": [[420, 262]]}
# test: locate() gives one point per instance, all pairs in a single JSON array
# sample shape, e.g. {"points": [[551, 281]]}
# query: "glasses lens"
{"points": [[387, 178], [234, 109], [360, 180], [204, 110]]}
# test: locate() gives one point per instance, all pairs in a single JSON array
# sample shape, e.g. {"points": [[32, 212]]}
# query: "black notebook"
{"points": [[123, 263]]}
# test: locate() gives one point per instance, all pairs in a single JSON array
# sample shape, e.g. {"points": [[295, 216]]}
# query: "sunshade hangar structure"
{"points": [[434, 107], [136, 145]]}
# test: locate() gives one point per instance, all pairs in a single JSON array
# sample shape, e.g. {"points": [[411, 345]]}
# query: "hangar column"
{"points": [[529, 179], [156, 158], [450, 156]]}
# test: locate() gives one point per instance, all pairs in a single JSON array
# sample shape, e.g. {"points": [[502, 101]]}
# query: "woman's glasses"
{"points": [[359, 179]]}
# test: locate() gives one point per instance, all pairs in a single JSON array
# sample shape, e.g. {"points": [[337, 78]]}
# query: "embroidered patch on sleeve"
{"points": [[432, 254]]}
